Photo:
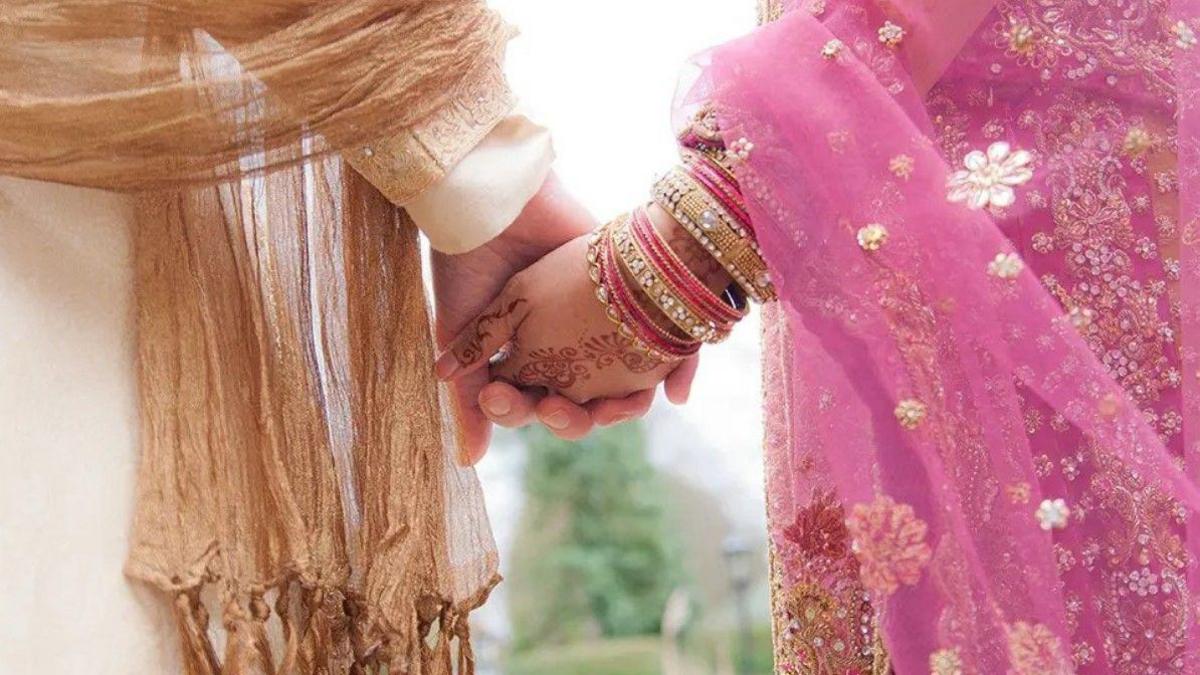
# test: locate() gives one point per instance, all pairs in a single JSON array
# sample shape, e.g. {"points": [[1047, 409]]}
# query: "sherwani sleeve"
{"points": [[466, 172]]}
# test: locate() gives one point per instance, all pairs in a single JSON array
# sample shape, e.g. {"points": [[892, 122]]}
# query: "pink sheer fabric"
{"points": [[981, 221]]}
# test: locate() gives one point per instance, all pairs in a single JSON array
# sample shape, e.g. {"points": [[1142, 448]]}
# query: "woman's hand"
{"points": [[464, 285], [560, 341]]}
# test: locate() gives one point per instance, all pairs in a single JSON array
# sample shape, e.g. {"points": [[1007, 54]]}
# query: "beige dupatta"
{"points": [[296, 463]]}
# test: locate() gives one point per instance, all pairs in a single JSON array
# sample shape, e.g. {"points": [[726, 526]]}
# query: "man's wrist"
{"points": [[549, 219]]}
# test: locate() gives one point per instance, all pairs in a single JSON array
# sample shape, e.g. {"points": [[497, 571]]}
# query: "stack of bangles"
{"points": [[657, 302]]}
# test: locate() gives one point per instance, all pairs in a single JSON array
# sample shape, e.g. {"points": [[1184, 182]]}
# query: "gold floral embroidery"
{"points": [[824, 622], [1079, 41], [1021, 40], [1034, 650], [1137, 142], [1018, 493], [889, 540], [1185, 37]]}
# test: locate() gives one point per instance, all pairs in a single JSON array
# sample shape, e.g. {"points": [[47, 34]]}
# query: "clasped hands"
{"points": [[523, 337]]}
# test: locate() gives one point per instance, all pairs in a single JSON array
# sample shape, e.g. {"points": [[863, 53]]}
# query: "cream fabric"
{"points": [[486, 191], [68, 408]]}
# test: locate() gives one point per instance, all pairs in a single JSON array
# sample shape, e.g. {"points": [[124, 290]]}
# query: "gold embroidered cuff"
{"points": [[404, 165]]}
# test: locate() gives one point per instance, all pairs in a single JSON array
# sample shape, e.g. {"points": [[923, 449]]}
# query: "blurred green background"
{"points": [[619, 569]]}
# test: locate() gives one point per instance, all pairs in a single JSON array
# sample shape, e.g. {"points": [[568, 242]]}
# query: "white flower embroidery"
{"points": [[1081, 317], [1006, 266], [872, 237], [945, 662], [1052, 514], [1185, 37], [902, 166], [890, 34], [990, 178], [832, 49], [910, 413]]}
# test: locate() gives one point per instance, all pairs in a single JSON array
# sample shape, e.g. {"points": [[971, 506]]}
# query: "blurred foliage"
{"points": [[621, 656], [642, 656], [593, 557], [710, 650]]}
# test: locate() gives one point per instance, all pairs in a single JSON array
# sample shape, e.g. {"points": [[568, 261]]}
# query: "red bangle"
{"points": [[681, 280], [634, 315]]}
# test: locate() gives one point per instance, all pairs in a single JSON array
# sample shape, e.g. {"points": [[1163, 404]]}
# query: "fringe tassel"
{"points": [[285, 608], [453, 626], [320, 632], [442, 664], [466, 654], [247, 650], [324, 646], [199, 657], [429, 608]]}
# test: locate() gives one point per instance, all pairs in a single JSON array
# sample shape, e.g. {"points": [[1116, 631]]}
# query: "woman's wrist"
{"points": [[690, 252]]}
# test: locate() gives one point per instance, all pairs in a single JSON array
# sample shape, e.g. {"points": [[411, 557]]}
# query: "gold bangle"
{"points": [[718, 232]]}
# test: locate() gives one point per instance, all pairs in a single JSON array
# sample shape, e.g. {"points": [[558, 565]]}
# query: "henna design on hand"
{"points": [[563, 368], [615, 347], [472, 349], [554, 369]]}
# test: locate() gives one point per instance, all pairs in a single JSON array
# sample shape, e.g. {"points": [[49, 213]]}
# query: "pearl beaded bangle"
{"points": [[732, 245]]}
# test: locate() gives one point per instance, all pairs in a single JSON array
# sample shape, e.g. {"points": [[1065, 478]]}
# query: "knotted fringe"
{"points": [[247, 651], [325, 644], [191, 617], [324, 632]]}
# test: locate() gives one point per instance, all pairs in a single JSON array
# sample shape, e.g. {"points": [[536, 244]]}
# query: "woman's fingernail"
{"points": [[497, 406], [558, 420], [446, 366]]}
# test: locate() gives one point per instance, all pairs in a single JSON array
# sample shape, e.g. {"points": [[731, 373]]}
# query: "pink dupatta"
{"points": [[982, 366]]}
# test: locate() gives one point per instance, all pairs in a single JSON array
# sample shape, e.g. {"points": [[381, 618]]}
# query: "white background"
{"points": [[602, 76]]}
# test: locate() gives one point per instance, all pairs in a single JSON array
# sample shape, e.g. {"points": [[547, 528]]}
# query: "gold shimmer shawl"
{"points": [[296, 469]]}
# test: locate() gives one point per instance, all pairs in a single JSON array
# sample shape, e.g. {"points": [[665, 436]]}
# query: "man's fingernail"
{"points": [[497, 406], [446, 366], [618, 419], [558, 420]]}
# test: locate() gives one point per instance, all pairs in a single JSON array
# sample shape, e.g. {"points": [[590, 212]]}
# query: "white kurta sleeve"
{"points": [[486, 191]]}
